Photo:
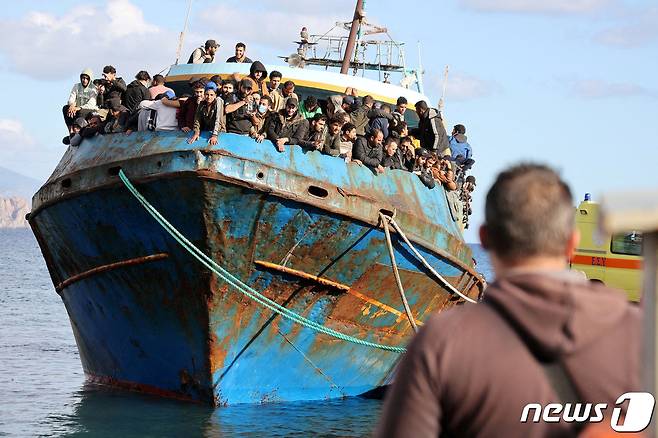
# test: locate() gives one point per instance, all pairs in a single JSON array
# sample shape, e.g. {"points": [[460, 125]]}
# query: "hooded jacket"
{"points": [[135, 93], [259, 87], [84, 97], [471, 370], [459, 146]]}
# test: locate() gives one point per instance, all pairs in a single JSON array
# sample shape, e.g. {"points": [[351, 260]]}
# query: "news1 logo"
{"points": [[637, 418]]}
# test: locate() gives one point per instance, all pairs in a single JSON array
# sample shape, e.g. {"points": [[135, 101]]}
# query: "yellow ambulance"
{"points": [[615, 260]]}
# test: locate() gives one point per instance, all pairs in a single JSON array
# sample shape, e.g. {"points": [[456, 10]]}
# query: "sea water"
{"points": [[43, 390]]}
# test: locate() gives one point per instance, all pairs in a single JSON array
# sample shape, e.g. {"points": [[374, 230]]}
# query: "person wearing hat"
{"points": [[288, 126], [204, 54], [240, 108], [309, 107], [82, 99], [209, 115]]}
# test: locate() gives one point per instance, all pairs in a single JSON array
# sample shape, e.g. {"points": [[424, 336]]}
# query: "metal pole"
{"points": [[358, 16], [182, 34], [650, 307]]}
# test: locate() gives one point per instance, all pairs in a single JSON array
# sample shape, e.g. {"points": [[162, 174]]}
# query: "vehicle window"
{"points": [[627, 243]]}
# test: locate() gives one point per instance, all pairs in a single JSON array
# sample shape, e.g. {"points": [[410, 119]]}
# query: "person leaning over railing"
{"points": [[208, 115], [332, 137], [287, 126], [260, 119]]}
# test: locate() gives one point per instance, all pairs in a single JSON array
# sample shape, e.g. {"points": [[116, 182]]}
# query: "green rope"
{"points": [[238, 284]]}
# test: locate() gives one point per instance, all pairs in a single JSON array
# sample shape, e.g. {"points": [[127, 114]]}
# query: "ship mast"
{"points": [[349, 50]]}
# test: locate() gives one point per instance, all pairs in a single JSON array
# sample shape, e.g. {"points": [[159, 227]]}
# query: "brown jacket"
{"points": [[471, 370]]}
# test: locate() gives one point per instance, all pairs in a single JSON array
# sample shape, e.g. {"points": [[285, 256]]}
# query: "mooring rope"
{"points": [[238, 284], [445, 282], [396, 273]]}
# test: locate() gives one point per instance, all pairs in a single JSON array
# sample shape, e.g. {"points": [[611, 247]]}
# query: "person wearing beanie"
{"points": [[82, 99], [288, 126]]}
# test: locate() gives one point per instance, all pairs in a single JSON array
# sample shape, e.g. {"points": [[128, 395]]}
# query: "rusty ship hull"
{"points": [[149, 317]]}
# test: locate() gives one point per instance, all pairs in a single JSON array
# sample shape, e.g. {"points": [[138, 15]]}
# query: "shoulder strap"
{"points": [[554, 371]]}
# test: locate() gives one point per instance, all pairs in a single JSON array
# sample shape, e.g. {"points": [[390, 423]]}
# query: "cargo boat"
{"points": [[303, 229]]}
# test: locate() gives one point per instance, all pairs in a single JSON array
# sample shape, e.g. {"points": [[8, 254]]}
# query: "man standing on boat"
{"points": [[542, 334], [240, 57], [204, 54], [430, 131]]}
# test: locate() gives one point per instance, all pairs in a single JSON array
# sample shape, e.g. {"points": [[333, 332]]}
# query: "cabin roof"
{"points": [[326, 80]]}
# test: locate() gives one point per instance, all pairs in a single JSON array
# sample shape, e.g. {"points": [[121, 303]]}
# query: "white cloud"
{"points": [[640, 30], [597, 89], [538, 6], [463, 86], [55, 46]]}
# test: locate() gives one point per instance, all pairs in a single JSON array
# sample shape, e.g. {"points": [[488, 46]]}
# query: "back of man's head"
{"points": [[158, 80], [529, 212], [460, 129]]}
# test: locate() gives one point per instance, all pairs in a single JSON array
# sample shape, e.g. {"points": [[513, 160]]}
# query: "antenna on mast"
{"points": [[420, 73], [182, 34], [442, 101]]}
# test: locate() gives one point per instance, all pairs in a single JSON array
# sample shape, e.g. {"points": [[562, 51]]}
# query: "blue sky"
{"points": [[569, 82]]}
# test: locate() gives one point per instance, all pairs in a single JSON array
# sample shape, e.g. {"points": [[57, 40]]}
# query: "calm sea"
{"points": [[43, 392]]}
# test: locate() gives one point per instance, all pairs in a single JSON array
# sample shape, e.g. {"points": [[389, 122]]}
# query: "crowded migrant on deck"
{"points": [[267, 108]]}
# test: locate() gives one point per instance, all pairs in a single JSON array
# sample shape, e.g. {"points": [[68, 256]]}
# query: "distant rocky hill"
{"points": [[15, 184], [16, 192], [13, 211]]}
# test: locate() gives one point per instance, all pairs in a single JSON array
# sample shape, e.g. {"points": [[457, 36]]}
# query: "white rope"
{"points": [[391, 253], [445, 282]]}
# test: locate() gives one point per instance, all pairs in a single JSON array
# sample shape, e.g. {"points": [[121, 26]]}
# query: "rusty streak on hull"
{"points": [[109, 267], [332, 284]]}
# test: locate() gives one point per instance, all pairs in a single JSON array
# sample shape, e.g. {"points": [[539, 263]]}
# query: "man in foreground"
{"points": [[542, 334]]}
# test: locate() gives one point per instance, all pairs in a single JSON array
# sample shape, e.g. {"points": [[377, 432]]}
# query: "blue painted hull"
{"points": [[147, 316]]}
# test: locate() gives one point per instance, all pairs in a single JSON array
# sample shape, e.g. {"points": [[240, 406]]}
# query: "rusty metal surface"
{"points": [[169, 324], [108, 267]]}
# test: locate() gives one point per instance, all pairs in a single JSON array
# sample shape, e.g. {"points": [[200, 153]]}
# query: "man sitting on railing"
{"points": [[82, 99], [187, 107], [287, 126], [109, 87]]}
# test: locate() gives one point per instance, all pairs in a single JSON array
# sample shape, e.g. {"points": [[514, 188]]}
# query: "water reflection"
{"points": [[104, 412]]}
